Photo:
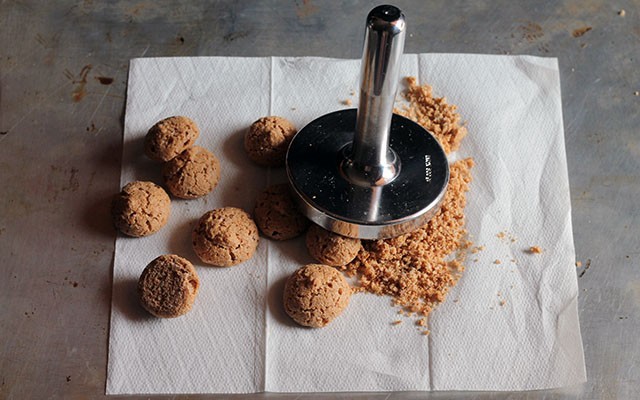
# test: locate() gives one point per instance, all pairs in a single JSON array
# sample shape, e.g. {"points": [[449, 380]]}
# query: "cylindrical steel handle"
{"points": [[372, 162]]}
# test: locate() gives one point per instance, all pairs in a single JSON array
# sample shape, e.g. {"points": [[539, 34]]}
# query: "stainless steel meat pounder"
{"points": [[369, 173]]}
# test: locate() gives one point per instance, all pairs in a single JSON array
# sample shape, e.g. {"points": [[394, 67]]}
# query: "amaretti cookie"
{"points": [[315, 295], [225, 236], [168, 286], [140, 209], [277, 215], [170, 137], [192, 174], [267, 140], [330, 248]]}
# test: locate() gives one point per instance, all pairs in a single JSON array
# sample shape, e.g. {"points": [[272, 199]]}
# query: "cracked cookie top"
{"points": [[330, 248], [277, 215], [192, 174], [140, 209], [315, 295], [225, 236], [267, 140], [170, 137]]}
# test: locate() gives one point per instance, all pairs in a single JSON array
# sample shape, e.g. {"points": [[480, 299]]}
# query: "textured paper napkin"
{"points": [[512, 326]]}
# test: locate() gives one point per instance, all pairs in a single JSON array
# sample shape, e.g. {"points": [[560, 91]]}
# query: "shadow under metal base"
{"points": [[326, 197]]}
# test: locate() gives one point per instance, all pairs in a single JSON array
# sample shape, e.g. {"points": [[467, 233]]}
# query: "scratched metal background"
{"points": [[63, 73]]}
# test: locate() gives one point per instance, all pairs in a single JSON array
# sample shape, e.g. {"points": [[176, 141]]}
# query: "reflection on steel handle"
{"points": [[371, 161]]}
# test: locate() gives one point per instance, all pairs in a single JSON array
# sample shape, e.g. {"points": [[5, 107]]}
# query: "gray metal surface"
{"points": [[63, 71]]}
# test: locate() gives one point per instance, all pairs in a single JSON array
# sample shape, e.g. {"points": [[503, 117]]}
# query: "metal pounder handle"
{"points": [[370, 161]]}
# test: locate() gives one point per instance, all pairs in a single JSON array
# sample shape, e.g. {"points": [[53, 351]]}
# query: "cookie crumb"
{"points": [[347, 102], [396, 322], [636, 93], [502, 303], [535, 250], [581, 31], [578, 264], [505, 237], [622, 12], [426, 332], [421, 322], [497, 262]]}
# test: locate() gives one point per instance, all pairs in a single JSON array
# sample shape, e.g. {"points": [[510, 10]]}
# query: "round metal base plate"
{"points": [[330, 200]]}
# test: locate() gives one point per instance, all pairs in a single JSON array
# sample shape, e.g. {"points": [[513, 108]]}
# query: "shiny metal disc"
{"points": [[315, 161]]}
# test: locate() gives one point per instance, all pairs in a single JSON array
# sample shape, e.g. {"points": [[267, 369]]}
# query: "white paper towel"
{"points": [[513, 326]]}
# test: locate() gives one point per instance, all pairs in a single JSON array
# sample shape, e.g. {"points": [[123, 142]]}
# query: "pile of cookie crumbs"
{"points": [[434, 114], [413, 268], [418, 269]]}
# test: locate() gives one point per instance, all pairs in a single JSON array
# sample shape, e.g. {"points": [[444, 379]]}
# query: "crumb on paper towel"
{"points": [[506, 237], [347, 102], [434, 114], [497, 262], [396, 322], [535, 250]]}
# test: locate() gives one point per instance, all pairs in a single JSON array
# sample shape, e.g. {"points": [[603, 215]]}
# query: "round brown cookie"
{"points": [[168, 286], [192, 174], [267, 140], [330, 248], [316, 294], [170, 137], [225, 236], [142, 208], [277, 215]]}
